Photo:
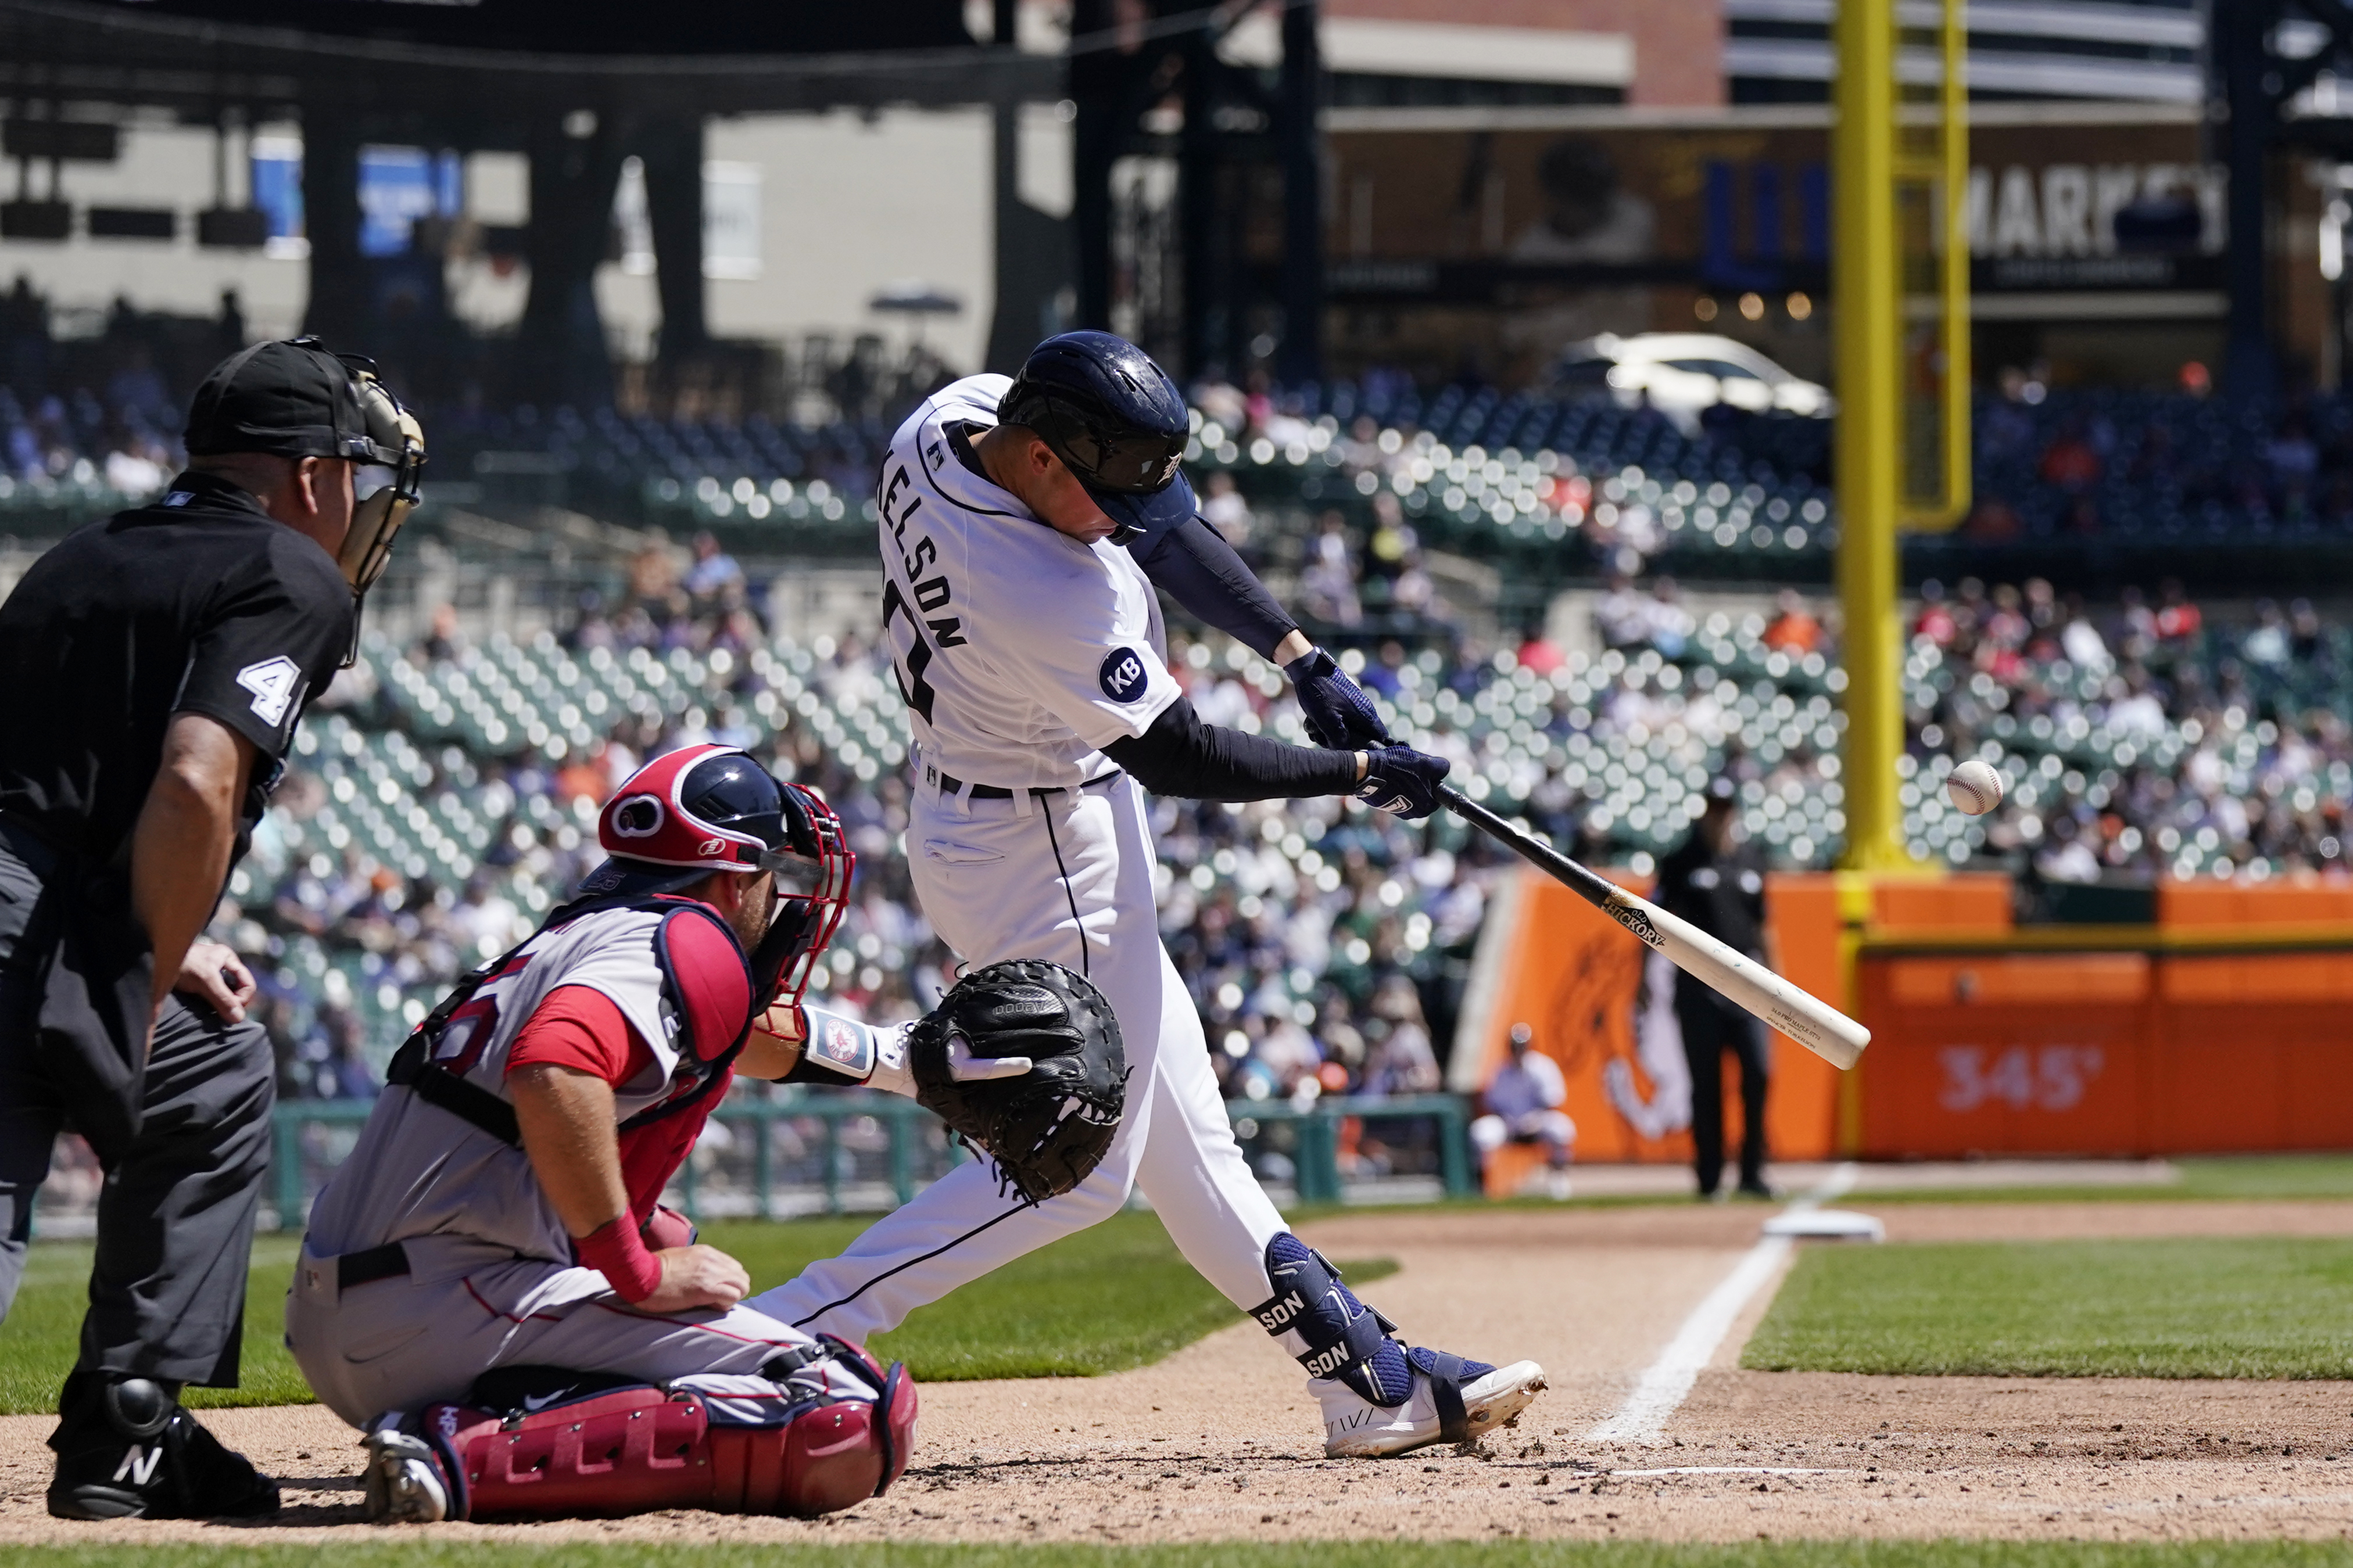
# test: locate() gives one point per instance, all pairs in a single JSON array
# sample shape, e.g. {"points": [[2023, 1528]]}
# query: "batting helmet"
{"points": [[1116, 421]]}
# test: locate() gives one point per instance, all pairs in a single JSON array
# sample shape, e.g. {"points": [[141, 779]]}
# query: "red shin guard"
{"points": [[636, 1449]]}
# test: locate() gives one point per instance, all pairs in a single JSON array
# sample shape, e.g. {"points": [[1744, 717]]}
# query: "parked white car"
{"points": [[1682, 373]]}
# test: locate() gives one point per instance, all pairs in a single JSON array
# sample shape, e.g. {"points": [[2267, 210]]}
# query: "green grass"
{"points": [[2209, 1177], [2263, 1306], [423, 1549], [1108, 1299]]}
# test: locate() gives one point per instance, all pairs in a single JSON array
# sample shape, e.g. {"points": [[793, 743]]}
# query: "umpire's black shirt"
{"points": [[199, 604], [1724, 895]]}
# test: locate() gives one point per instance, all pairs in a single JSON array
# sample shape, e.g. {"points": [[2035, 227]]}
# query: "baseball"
{"points": [[1974, 787]]}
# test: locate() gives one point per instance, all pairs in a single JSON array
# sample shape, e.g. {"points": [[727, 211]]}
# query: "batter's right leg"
{"points": [[955, 1230]]}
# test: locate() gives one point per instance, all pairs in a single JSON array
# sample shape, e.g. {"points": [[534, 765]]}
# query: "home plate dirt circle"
{"points": [[1221, 1441]]}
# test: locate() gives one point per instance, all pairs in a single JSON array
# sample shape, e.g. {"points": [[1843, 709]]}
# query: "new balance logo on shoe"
{"points": [[138, 1463]]}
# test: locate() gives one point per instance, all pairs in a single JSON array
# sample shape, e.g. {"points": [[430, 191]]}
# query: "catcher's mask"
{"points": [[389, 453], [701, 809]]}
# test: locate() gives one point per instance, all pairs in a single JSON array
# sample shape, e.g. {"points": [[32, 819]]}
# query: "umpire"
{"points": [[1719, 887], [155, 666]]}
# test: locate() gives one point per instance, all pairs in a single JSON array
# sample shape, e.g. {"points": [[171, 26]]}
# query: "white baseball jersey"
{"points": [[1020, 651]]}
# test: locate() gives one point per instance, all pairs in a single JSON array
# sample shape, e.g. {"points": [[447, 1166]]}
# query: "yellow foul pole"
{"points": [[1865, 290]]}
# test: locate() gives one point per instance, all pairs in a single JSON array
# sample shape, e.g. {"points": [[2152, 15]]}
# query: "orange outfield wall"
{"points": [[2165, 1049], [1577, 978], [2226, 1026]]}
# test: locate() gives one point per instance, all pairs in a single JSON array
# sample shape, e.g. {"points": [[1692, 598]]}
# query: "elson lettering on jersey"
{"points": [[930, 594], [1124, 677]]}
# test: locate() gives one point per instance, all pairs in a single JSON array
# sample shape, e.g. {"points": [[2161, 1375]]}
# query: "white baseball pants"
{"points": [[1068, 878]]}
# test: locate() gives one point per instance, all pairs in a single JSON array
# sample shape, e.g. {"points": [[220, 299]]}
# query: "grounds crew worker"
{"points": [[1719, 887], [155, 666]]}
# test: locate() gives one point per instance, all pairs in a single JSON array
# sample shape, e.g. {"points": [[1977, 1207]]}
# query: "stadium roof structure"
{"points": [[496, 62]]}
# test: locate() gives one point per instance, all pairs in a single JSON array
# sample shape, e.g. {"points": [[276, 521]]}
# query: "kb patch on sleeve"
{"points": [[1123, 677], [275, 683]]}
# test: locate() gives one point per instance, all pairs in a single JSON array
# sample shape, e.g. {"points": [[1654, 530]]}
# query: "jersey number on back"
{"points": [[932, 596], [913, 688]]}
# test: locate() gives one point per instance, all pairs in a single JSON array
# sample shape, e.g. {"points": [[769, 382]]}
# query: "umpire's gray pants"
{"points": [[176, 1214]]}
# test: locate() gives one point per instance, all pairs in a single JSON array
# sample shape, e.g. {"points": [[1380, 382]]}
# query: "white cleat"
{"points": [[403, 1480], [1353, 1428]]}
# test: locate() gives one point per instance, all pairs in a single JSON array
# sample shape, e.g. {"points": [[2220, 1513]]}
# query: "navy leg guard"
{"points": [[1334, 1336]]}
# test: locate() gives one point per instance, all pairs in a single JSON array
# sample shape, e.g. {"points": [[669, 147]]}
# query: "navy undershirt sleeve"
{"points": [[1200, 571], [1181, 756]]}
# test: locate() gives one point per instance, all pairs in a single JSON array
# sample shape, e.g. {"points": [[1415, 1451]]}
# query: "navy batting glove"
{"points": [[1338, 713], [1401, 779]]}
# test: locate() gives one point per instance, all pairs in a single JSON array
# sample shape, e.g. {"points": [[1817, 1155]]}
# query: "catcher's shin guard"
{"points": [[630, 1451], [1319, 1320]]}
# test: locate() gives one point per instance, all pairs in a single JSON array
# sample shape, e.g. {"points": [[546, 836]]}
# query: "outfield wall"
{"points": [[2226, 1026]]}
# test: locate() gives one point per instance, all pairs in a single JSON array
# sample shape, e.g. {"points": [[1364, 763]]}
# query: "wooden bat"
{"points": [[1805, 1018]]}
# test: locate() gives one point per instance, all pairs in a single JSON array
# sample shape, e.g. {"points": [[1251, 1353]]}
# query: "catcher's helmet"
{"points": [[1115, 419], [701, 809]]}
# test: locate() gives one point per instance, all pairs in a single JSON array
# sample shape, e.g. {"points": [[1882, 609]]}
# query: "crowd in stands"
{"points": [[443, 797], [2157, 465]]}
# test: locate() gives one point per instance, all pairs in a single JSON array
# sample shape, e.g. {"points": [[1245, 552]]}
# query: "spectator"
{"points": [[2177, 618], [1793, 628], [715, 572], [1522, 1100], [1327, 583], [1623, 615], [1538, 652], [1223, 509]]}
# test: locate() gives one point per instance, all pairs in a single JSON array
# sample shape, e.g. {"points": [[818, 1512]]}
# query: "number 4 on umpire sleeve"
{"points": [[913, 688]]}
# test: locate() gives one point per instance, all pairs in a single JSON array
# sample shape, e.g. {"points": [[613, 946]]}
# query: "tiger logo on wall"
{"points": [[1610, 1020]]}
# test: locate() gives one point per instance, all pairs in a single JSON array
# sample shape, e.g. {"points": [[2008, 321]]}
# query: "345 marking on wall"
{"points": [[2023, 1077]]}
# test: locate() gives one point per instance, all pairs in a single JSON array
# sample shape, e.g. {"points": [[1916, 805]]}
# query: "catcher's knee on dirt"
{"points": [[699, 1443]]}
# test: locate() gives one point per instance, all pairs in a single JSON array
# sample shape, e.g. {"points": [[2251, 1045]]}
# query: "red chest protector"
{"points": [[707, 988]]}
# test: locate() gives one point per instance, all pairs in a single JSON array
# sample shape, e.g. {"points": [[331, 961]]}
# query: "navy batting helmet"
{"points": [[1116, 421]]}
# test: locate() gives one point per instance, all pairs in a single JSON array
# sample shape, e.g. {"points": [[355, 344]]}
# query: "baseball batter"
{"points": [[489, 1286], [1018, 522]]}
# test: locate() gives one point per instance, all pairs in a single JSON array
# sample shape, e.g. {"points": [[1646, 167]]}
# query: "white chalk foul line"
{"points": [[1667, 1382]]}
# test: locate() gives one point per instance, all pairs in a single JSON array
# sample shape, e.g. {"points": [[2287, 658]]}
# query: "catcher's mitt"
{"points": [[1046, 1128]]}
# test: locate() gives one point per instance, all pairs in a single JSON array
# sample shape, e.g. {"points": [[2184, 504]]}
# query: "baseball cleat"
{"points": [[403, 1478], [1451, 1401]]}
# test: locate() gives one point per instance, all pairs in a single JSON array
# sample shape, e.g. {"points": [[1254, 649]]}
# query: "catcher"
{"points": [[488, 1286]]}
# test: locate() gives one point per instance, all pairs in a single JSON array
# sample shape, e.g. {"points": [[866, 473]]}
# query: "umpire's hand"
{"points": [[214, 971]]}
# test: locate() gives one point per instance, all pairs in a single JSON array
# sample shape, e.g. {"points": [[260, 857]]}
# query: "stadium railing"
{"points": [[913, 1154]]}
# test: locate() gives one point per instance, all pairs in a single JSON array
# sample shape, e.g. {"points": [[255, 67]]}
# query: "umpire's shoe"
{"points": [[127, 1450]]}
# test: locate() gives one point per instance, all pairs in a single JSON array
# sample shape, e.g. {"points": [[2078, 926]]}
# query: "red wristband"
{"points": [[616, 1250]]}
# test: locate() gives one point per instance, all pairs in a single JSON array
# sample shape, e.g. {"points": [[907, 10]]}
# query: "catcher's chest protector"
{"points": [[692, 1004], [633, 1451]]}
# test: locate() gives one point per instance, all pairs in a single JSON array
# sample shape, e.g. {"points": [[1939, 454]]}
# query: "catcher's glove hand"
{"points": [[1048, 1122]]}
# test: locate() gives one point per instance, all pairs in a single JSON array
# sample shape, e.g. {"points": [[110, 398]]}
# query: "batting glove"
{"points": [[1401, 779], [1338, 713]]}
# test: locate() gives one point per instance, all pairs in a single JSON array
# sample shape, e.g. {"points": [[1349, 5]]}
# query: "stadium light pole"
{"points": [[1865, 291]]}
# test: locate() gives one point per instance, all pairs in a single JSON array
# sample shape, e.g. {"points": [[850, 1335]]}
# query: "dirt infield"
{"points": [[1219, 1441]]}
